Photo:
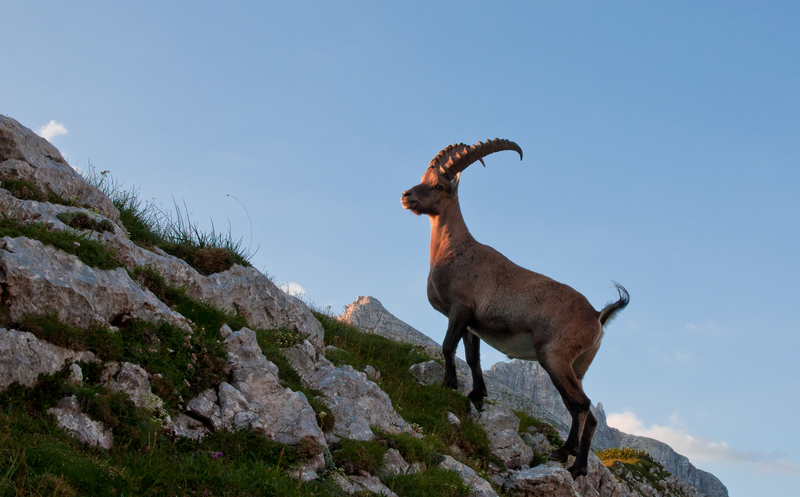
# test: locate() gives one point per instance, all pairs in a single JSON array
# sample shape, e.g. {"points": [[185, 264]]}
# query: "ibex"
{"points": [[485, 296]]}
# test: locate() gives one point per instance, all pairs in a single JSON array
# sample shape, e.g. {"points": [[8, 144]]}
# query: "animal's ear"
{"points": [[454, 184]]}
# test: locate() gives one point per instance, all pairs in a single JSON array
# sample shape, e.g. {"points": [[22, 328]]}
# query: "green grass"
{"points": [[434, 481], [90, 252], [422, 406], [38, 458], [356, 455]]}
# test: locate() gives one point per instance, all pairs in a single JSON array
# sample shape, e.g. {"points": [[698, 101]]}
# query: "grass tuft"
{"points": [[90, 252], [208, 252]]}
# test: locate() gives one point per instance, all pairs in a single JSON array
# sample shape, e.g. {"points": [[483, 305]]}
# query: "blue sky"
{"points": [[662, 150]]}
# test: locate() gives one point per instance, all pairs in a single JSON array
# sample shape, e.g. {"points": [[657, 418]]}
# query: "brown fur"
{"points": [[519, 312]]}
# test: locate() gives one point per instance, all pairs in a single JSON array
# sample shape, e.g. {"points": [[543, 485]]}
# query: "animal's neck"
{"points": [[448, 231]]}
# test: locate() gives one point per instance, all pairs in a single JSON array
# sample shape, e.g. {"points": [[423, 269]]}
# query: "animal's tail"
{"points": [[609, 312]]}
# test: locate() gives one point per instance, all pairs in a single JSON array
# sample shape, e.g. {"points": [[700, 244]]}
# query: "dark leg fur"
{"points": [[583, 423], [472, 347], [456, 328]]}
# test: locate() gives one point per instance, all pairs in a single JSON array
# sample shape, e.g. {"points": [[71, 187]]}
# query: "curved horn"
{"points": [[455, 158]]}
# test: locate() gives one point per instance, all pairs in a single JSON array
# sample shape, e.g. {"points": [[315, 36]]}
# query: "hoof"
{"points": [[559, 455], [477, 399], [577, 471], [450, 383]]}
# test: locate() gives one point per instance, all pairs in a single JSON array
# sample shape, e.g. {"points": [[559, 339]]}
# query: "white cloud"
{"points": [[709, 327], [52, 129], [293, 289], [700, 448]]}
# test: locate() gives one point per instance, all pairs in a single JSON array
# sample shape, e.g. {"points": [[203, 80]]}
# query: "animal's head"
{"points": [[439, 185]]}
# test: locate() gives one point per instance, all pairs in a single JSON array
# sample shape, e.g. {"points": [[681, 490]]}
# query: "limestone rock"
{"points": [[538, 442], [599, 482], [309, 470], [206, 407], [393, 464], [357, 403], [39, 279], [480, 487], [373, 374], [256, 400], [132, 379], [243, 289], [25, 155], [23, 357], [453, 420], [187, 427], [428, 373], [356, 484], [542, 481], [501, 425], [69, 417], [75, 375]]}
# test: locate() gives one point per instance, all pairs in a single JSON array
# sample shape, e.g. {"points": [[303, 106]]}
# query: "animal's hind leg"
{"points": [[569, 386], [472, 348], [579, 367]]}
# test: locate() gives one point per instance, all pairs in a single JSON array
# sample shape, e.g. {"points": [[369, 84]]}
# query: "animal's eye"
{"points": [[440, 188]]}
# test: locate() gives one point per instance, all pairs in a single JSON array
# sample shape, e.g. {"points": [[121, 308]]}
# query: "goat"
{"points": [[485, 296]]}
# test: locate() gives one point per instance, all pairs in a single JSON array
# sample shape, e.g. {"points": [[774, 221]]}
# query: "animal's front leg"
{"points": [[456, 328], [472, 349]]}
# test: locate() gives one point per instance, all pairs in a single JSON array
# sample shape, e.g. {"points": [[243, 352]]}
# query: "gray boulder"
{"points": [[542, 481], [132, 380], [206, 407], [480, 487], [427, 373], [26, 155], [187, 427], [23, 357], [256, 400], [501, 426], [69, 417], [357, 484], [356, 402], [393, 464], [40, 279]]}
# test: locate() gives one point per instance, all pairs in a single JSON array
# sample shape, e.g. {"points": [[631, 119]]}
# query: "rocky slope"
{"points": [[507, 381], [161, 305]]}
